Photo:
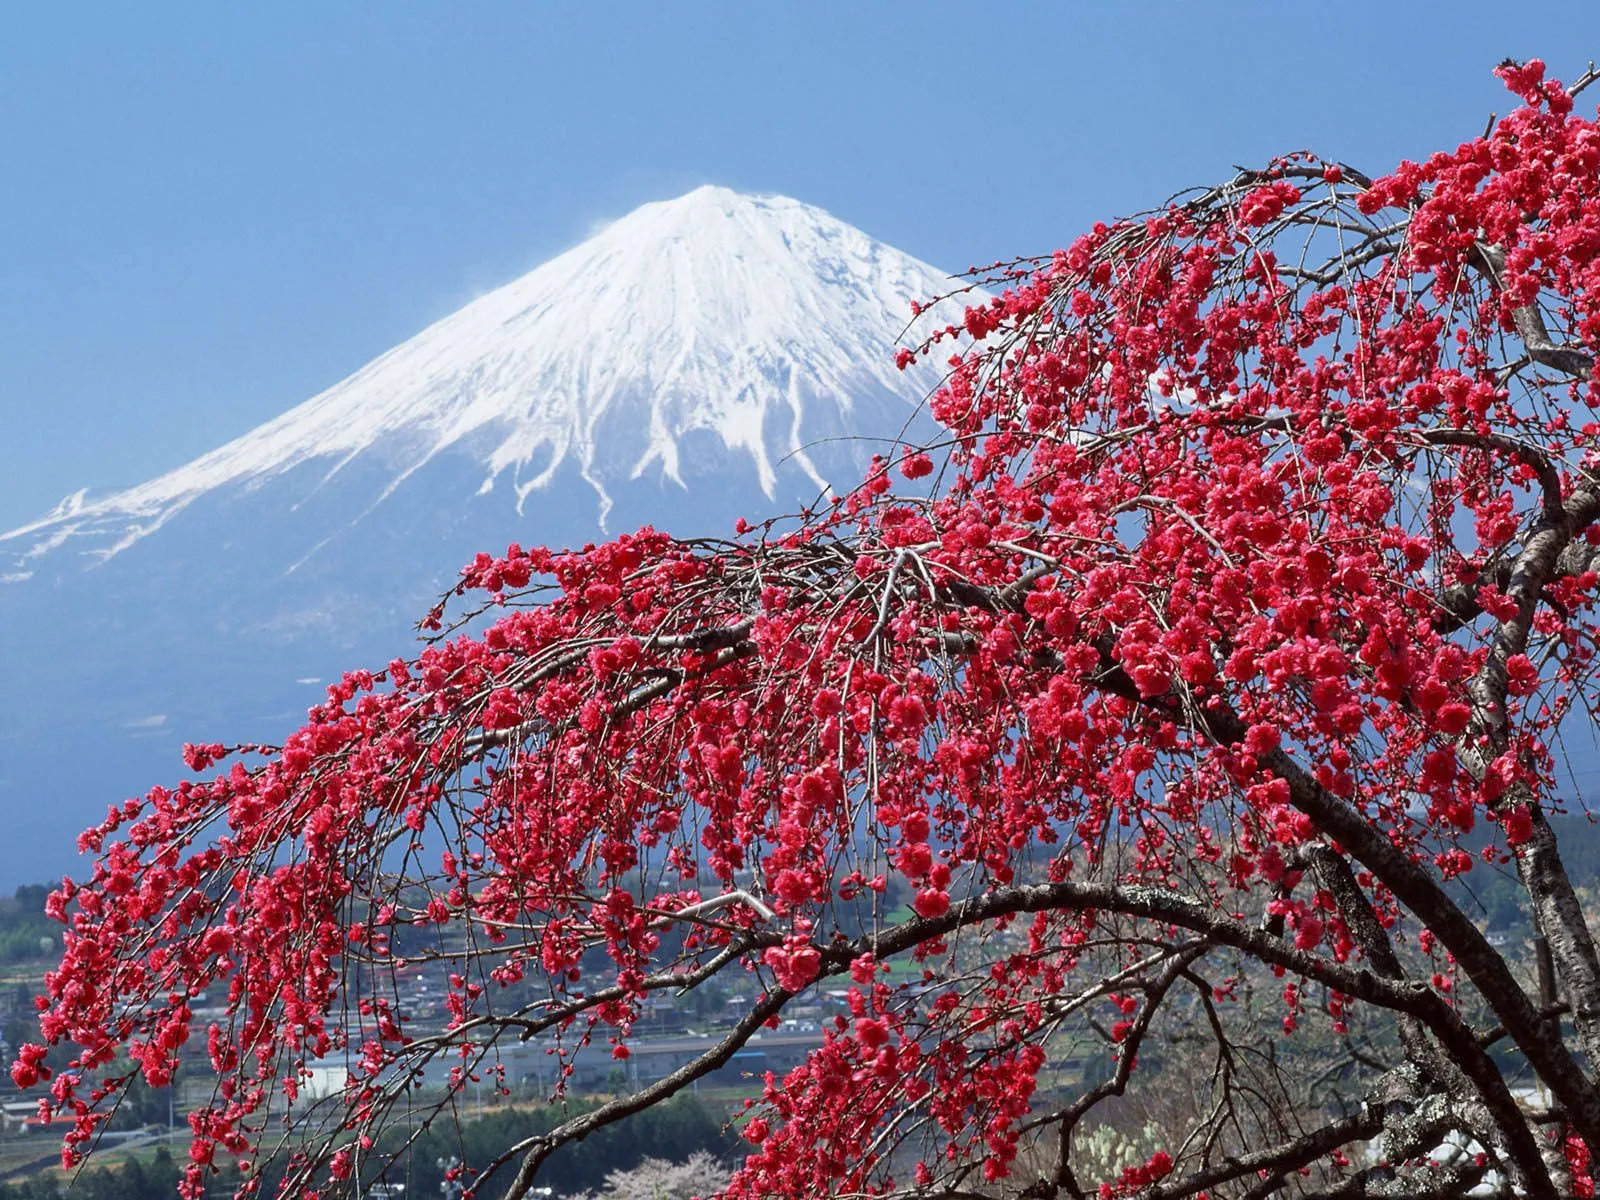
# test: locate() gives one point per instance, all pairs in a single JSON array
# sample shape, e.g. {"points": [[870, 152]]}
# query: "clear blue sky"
{"points": [[209, 212]]}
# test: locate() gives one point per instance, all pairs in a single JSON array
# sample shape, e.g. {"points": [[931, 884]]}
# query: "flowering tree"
{"points": [[1189, 682], [656, 1179]]}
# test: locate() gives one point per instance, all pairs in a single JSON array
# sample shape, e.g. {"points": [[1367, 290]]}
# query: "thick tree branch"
{"points": [[1490, 262], [1557, 910]]}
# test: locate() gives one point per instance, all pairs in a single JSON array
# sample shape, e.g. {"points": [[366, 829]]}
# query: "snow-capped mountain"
{"points": [[702, 358], [759, 320]]}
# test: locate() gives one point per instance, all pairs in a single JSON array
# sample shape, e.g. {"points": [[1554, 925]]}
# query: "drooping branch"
{"points": [[534, 1151], [1271, 1165]]}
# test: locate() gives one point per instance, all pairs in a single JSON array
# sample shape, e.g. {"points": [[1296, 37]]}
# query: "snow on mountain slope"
{"points": [[757, 319]]}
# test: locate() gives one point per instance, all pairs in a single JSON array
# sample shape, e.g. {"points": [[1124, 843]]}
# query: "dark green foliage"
{"points": [[670, 1131], [130, 1180], [23, 925]]}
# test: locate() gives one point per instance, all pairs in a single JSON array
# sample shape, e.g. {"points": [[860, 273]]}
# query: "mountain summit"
{"points": [[702, 358]]}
